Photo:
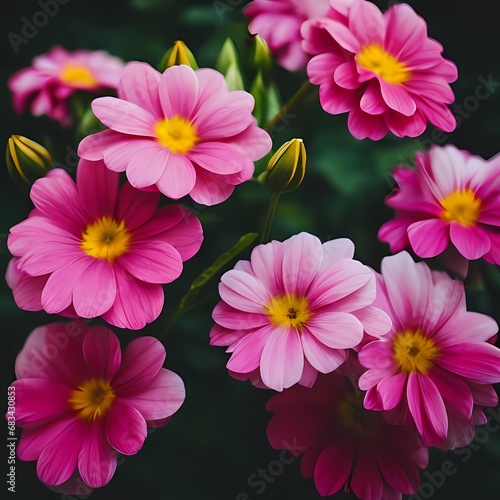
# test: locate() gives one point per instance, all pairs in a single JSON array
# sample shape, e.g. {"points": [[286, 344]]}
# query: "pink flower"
{"points": [[80, 401], [279, 22], [451, 198], [46, 86], [382, 69], [436, 364], [94, 249], [181, 131], [294, 309], [344, 445]]}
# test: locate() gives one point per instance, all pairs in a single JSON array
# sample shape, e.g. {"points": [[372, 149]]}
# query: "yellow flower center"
{"points": [[106, 239], [288, 310], [176, 134], [414, 352], [74, 74], [92, 399], [374, 58], [354, 418], [462, 207]]}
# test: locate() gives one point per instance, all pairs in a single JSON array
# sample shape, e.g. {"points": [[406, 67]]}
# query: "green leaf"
{"points": [[208, 273]]}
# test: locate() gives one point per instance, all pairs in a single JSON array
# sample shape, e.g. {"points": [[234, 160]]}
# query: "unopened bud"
{"points": [[287, 167], [178, 54], [261, 55]]}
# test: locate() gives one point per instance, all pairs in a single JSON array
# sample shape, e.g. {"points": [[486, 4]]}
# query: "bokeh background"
{"points": [[217, 441]]}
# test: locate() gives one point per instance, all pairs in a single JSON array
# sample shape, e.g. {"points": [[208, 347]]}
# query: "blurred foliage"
{"points": [[217, 440]]}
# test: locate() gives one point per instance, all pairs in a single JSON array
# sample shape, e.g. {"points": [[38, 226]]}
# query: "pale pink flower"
{"points": [[382, 69], [54, 77], [294, 310], [436, 365], [94, 249], [450, 198], [79, 401], [279, 23], [182, 132], [344, 445]]}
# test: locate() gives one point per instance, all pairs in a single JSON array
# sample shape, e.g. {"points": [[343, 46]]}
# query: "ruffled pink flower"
{"points": [[343, 445], [279, 23], [451, 198], [382, 69], [80, 401], [181, 132], [94, 249], [46, 86], [436, 366], [294, 310]]}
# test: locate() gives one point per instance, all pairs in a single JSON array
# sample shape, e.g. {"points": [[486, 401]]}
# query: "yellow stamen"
{"points": [[92, 399], [289, 310], [106, 239], [462, 207], [374, 58], [176, 134], [414, 352], [354, 418], [77, 75]]}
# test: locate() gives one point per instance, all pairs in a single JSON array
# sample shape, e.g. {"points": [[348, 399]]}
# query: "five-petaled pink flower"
{"points": [[94, 249], [450, 198], [54, 77], [434, 369], [182, 131], [382, 69], [344, 445], [80, 400], [294, 309], [279, 23]]}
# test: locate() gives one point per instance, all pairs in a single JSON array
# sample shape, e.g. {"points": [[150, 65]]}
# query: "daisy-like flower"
{"points": [[451, 198], [46, 86], [382, 69], [79, 401], [182, 132], [294, 309], [436, 365], [94, 249], [344, 445], [279, 23]]}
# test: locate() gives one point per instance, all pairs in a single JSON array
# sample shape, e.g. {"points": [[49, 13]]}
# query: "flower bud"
{"points": [[287, 167], [227, 63], [261, 55], [178, 54], [27, 161]]}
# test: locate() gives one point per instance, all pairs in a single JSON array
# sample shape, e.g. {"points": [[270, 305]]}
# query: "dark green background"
{"points": [[217, 440]]}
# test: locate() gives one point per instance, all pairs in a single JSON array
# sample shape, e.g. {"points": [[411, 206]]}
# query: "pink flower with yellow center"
{"points": [[451, 198], [80, 401], [181, 132], [294, 310], [343, 445], [97, 249], [434, 369], [382, 69], [54, 77], [279, 23]]}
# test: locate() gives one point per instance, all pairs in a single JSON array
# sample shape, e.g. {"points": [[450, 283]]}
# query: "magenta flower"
{"points": [[436, 363], [294, 309], [46, 86], [382, 69], [94, 249], [451, 198], [80, 401], [181, 131], [279, 23], [343, 445]]}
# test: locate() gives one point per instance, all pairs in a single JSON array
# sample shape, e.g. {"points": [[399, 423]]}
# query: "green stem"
{"points": [[271, 212], [296, 98]]}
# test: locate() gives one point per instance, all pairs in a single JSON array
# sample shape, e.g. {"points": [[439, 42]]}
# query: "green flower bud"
{"points": [[287, 167], [227, 56], [178, 54], [27, 160], [261, 55]]}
